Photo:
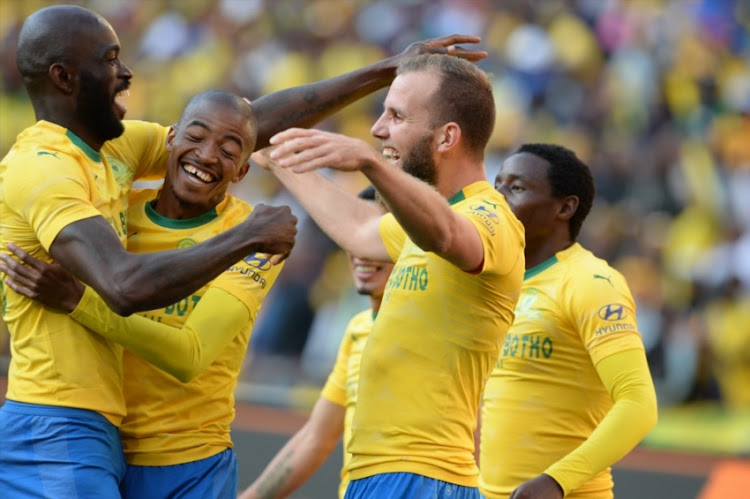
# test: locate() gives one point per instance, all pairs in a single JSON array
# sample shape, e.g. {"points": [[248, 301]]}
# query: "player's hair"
{"points": [[49, 36], [568, 176], [464, 96], [228, 100]]}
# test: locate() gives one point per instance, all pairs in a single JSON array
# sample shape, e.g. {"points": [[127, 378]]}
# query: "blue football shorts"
{"points": [[211, 478], [407, 486], [49, 451]]}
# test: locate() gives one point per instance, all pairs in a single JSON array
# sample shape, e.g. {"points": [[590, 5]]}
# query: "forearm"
{"points": [[307, 105], [422, 211], [632, 416], [350, 222], [302, 455], [131, 282], [182, 352]]}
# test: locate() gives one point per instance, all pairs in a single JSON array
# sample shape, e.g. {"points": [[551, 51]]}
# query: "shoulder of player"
{"points": [[590, 274]]}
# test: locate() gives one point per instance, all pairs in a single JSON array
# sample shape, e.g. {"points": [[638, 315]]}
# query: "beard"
{"points": [[95, 109], [419, 162]]}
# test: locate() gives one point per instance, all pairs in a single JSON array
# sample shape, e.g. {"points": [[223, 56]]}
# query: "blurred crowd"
{"points": [[653, 95]]}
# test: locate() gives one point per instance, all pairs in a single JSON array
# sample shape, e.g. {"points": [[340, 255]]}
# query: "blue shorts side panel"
{"points": [[407, 486], [211, 478], [48, 451]]}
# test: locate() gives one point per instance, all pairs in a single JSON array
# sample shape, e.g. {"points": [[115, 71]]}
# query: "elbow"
{"points": [[185, 374], [117, 300], [125, 297]]}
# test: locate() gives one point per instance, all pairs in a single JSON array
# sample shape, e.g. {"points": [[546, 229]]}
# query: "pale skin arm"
{"points": [[302, 455], [306, 105], [351, 222], [423, 212]]}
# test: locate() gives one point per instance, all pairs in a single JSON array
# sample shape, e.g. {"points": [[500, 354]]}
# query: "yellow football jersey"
{"points": [[49, 179], [342, 384], [169, 422], [544, 397], [433, 346]]}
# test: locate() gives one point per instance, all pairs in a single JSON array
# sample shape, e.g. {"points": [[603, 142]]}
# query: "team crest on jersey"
{"points": [[185, 243], [485, 211], [526, 303], [123, 175], [260, 261]]}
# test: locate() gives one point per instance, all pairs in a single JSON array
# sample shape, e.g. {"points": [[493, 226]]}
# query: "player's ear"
{"points": [[448, 136], [62, 77], [568, 207], [244, 167], [171, 136]]}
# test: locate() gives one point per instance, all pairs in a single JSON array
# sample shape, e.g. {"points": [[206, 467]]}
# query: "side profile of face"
{"points": [[103, 79], [523, 181], [369, 277], [208, 150], [404, 126]]}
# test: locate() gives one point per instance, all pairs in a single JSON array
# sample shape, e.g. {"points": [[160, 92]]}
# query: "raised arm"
{"points": [[421, 210], [351, 222], [302, 455], [306, 105], [130, 282]]}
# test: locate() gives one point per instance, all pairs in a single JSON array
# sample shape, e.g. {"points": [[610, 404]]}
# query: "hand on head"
{"points": [[446, 45]]}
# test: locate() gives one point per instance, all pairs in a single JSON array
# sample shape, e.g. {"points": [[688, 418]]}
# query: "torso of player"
{"points": [[51, 179], [544, 397], [433, 345]]}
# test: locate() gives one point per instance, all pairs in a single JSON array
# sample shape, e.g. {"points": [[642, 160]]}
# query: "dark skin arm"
{"points": [[307, 105], [131, 282]]}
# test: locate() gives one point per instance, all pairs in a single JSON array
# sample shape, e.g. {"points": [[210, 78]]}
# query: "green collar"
{"points": [[183, 223], [457, 197], [94, 155], [536, 269]]}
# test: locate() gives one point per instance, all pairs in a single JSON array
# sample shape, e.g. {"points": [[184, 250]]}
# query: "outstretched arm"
{"points": [[306, 105], [351, 222], [420, 209], [302, 455], [131, 282]]}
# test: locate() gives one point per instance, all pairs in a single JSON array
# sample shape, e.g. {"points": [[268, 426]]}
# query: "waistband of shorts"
{"points": [[13, 407]]}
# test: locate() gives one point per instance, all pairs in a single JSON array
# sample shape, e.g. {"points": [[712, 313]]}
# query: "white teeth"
{"points": [[365, 268], [201, 175], [390, 154]]}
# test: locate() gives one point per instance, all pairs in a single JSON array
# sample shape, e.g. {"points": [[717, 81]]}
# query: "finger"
{"points": [[290, 133], [15, 268], [470, 55], [18, 287], [276, 259], [456, 38], [25, 257]]}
